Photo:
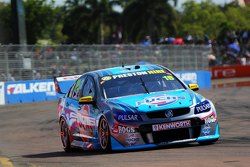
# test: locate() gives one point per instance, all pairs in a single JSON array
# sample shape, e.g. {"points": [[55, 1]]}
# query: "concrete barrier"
{"points": [[44, 90]]}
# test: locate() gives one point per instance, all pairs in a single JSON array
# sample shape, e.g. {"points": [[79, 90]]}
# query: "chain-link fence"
{"points": [[40, 62]]}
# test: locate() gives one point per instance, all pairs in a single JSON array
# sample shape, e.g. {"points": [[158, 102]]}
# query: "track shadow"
{"points": [[75, 153], [79, 152]]}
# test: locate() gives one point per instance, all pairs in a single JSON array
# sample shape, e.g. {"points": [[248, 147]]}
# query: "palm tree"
{"points": [[146, 17], [89, 21]]}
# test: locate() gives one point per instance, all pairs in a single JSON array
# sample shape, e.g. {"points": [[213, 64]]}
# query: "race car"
{"points": [[132, 107]]}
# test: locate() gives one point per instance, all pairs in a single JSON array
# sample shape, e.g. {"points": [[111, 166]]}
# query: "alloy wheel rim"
{"points": [[64, 134], [103, 133]]}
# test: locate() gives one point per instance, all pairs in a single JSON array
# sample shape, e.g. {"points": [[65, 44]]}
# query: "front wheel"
{"points": [[104, 135], [65, 136]]}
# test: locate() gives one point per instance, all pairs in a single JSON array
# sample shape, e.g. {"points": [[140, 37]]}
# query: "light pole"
{"points": [[20, 18]]}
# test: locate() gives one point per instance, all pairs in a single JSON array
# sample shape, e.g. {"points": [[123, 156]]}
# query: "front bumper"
{"points": [[146, 138]]}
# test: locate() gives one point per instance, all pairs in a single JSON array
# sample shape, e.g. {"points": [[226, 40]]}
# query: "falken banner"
{"points": [[44, 90], [29, 91]]}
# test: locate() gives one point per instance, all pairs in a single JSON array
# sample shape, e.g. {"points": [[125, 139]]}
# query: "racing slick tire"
{"points": [[208, 142], [65, 136], [104, 135]]}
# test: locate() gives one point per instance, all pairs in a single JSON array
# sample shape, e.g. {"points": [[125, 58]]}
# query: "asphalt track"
{"points": [[29, 137]]}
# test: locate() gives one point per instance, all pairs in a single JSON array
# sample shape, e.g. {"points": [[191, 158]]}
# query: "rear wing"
{"points": [[63, 84]]}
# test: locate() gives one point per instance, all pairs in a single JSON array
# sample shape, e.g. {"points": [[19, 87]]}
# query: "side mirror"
{"points": [[193, 87], [86, 100]]}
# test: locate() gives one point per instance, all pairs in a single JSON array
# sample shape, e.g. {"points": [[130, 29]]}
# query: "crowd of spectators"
{"points": [[230, 48], [233, 47]]}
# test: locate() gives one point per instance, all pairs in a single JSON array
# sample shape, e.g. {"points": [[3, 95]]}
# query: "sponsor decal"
{"points": [[230, 71], [158, 100], [224, 73], [68, 78], [131, 74], [78, 117], [85, 110], [190, 77], [106, 78], [123, 129], [206, 130], [33, 87], [204, 106], [210, 119], [84, 145], [127, 117], [156, 72], [171, 125], [86, 127], [132, 139], [169, 77], [2, 98]]}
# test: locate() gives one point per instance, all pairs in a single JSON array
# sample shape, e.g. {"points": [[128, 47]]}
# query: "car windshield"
{"points": [[138, 83]]}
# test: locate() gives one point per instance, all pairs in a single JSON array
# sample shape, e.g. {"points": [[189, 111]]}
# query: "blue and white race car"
{"points": [[132, 107]]}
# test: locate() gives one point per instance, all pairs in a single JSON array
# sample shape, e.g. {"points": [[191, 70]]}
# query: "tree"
{"points": [[201, 18], [5, 24], [237, 16], [154, 18], [89, 21], [40, 18]]}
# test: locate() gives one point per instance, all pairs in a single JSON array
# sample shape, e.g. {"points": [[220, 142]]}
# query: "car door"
{"points": [[89, 111], [72, 104]]}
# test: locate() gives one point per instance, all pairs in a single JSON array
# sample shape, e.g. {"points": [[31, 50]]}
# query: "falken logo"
{"points": [[37, 87], [158, 100]]}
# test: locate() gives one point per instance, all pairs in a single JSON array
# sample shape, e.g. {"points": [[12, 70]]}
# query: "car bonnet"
{"points": [[157, 100]]}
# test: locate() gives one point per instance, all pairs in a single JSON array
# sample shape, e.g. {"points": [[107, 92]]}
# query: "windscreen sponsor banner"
{"points": [[29, 91], [2, 99], [201, 77]]}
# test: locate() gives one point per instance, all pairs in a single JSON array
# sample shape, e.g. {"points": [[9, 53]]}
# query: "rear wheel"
{"points": [[104, 135], [65, 136]]}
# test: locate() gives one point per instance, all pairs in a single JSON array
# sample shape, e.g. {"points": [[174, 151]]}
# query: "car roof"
{"points": [[126, 69]]}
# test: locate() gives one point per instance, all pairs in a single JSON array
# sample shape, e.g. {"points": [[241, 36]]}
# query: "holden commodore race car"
{"points": [[132, 107]]}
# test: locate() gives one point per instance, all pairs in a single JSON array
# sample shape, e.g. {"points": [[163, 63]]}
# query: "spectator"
{"points": [[55, 71], [64, 70], [189, 39], [36, 74], [170, 40], [3, 77], [147, 41], [212, 60], [178, 41], [10, 77]]}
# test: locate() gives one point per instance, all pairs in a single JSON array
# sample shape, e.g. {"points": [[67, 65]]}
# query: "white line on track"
{"points": [[5, 162]]}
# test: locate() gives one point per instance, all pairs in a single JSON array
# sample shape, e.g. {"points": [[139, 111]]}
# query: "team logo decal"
{"points": [[158, 100], [206, 130]]}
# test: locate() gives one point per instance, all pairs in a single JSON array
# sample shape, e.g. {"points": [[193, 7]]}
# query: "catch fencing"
{"points": [[32, 62]]}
